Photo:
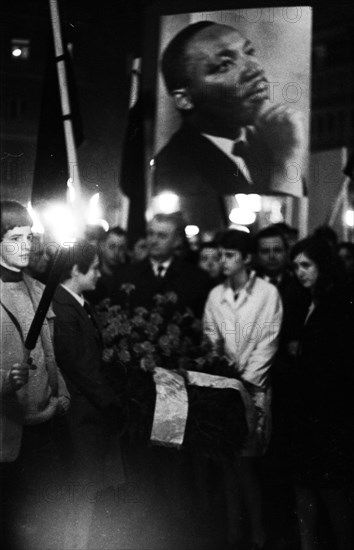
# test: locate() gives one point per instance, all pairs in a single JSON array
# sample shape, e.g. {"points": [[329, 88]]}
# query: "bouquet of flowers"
{"points": [[137, 341]]}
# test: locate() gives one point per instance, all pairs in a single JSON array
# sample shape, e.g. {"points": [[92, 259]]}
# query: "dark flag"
{"points": [[132, 181], [348, 169], [51, 170], [349, 172]]}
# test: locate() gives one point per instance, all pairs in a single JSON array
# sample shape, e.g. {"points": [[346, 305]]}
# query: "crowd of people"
{"points": [[283, 310]]}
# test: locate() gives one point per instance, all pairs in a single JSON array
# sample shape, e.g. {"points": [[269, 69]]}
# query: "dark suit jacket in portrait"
{"points": [[190, 283], [192, 166]]}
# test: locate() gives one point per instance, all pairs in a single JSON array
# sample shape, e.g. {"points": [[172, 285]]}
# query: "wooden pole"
{"points": [[73, 165]]}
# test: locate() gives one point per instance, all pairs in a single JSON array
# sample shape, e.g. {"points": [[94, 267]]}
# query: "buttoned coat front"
{"points": [[249, 328]]}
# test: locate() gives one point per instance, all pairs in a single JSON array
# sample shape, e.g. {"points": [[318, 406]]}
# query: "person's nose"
{"points": [[253, 69], [26, 245]]}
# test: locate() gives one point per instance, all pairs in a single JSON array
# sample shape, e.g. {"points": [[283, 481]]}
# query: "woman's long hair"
{"points": [[330, 272]]}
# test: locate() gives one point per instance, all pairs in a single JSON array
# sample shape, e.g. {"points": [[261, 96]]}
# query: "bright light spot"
{"points": [[242, 200], [275, 214], [239, 228], [149, 214], [191, 230], [102, 223], [37, 226], [20, 48], [94, 212], [255, 202], [152, 162], [242, 216], [249, 202], [349, 218], [71, 191], [166, 203], [62, 223]]}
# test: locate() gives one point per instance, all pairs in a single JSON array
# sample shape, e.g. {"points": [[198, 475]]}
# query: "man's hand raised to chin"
{"points": [[282, 128]]}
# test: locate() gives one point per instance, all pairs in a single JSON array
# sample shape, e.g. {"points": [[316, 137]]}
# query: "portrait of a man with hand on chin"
{"points": [[233, 137]]}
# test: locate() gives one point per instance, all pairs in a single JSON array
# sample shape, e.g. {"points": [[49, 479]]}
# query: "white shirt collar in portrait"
{"points": [[226, 146]]}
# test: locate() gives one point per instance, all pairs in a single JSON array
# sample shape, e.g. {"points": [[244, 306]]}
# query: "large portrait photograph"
{"points": [[233, 103]]}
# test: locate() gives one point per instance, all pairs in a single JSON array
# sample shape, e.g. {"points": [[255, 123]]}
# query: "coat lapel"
{"points": [[6, 300], [62, 296]]}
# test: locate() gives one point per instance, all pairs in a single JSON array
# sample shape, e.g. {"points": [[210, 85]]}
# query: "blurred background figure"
{"points": [[209, 261], [40, 259], [346, 255], [271, 255], [94, 234], [113, 254], [328, 234], [113, 249], [291, 234], [139, 250]]}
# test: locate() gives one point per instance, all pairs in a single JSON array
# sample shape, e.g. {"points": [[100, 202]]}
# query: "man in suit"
{"points": [[163, 271], [94, 416], [272, 263], [232, 140], [33, 393]]}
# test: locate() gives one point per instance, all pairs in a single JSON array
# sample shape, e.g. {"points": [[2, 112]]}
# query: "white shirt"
{"points": [[249, 326], [164, 265]]}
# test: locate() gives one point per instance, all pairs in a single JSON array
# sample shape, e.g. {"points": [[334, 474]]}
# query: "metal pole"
{"points": [[73, 166]]}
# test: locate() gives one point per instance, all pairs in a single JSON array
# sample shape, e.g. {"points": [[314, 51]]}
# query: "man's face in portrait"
{"points": [[226, 84]]}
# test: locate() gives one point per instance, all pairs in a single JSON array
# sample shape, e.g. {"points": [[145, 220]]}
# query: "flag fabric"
{"points": [[348, 169], [132, 181]]}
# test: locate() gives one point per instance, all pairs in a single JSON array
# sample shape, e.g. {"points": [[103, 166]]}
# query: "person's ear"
{"points": [[74, 271], [247, 259], [182, 99]]}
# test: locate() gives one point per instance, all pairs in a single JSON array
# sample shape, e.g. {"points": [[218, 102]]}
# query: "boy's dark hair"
{"points": [[209, 244], [13, 214], [82, 254], [174, 60], [236, 240], [116, 230]]}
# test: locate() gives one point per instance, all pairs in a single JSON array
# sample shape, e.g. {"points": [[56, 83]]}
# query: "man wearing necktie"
{"points": [[163, 271], [232, 140]]}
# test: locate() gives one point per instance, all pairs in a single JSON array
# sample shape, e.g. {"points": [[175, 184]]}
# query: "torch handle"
{"points": [[47, 296]]}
